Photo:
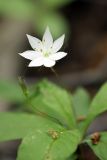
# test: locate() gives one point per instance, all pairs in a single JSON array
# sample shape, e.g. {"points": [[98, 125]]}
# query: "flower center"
{"points": [[46, 54]]}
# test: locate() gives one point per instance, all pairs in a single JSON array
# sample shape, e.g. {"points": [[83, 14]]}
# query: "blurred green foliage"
{"points": [[10, 92], [39, 12]]}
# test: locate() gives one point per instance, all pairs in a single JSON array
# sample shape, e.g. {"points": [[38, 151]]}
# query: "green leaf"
{"points": [[65, 145], [81, 101], [54, 101], [99, 149], [98, 105], [73, 157], [16, 126], [43, 146], [10, 91]]}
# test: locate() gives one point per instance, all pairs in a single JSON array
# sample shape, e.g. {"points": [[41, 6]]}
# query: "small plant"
{"points": [[55, 122]]}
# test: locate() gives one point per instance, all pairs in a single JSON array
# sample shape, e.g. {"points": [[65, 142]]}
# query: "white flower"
{"points": [[44, 52]]}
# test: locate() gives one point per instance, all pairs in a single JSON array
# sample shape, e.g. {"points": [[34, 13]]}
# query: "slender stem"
{"points": [[56, 74]]}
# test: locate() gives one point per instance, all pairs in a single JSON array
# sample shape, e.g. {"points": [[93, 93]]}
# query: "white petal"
{"points": [[47, 39], [48, 62], [36, 63], [34, 42], [58, 44], [30, 54], [57, 56]]}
